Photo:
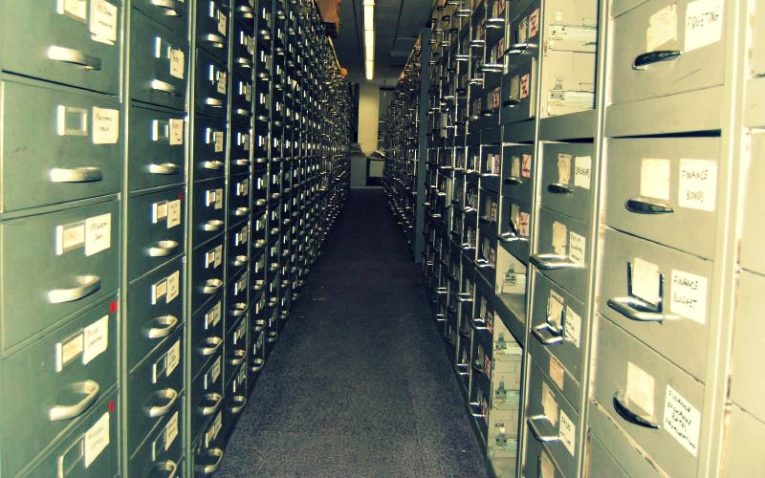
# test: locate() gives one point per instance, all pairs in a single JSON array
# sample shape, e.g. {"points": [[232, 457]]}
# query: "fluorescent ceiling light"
{"points": [[369, 38]]}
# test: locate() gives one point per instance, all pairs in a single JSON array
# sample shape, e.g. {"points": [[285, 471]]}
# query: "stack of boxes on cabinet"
{"points": [[159, 185], [587, 195]]}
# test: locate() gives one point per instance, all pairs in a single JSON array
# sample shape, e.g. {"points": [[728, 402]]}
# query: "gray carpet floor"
{"points": [[359, 384]]}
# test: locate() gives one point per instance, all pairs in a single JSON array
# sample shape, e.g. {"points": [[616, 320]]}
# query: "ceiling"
{"points": [[397, 25]]}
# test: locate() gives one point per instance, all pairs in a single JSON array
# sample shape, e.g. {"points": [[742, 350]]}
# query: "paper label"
{"points": [[573, 326], [171, 431], [577, 248], [106, 126], [534, 23], [159, 211], [645, 280], [69, 350], [103, 21], [682, 420], [567, 432], [219, 199], [222, 79], [564, 168], [640, 388], [689, 296], [173, 213], [556, 372], [515, 167], [77, 9], [96, 440], [662, 28], [549, 404], [559, 238], [96, 339], [215, 370], [523, 30], [524, 86], [177, 63], [546, 467], [582, 171], [218, 256], [526, 166], [158, 291], [654, 178], [698, 184], [555, 309], [215, 427], [69, 237], [173, 358], [222, 23], [176, 131], [213, 316], [218, 135], [98, 234], [523, 221], [173, 286], [703, 24]]}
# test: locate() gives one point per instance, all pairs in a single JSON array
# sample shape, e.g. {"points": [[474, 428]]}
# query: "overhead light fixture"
{"points": [[369, 38]]}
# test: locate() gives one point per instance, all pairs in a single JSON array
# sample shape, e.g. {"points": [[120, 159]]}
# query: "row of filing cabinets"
{"points": [[187, 161], [590, 186]]}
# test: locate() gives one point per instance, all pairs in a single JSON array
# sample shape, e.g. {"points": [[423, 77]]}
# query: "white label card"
{"points": [[103, 21], [212, 318], [219, 199], [655, 178], [176, 131], [689, 296], [158, 291], [222, 23], [582, 171], [564, 169], [703, 24], [177, 63], [577, 248], [68, 351], [698, 184], [556, 372], [222, 79], [640, 388], [645, 280], [171, 431], [76, 8], [218, 135], [173, 213], [173, 286], [173, 358], [682, 420], [218, 256], [567, 432], [573, 326], [549, 404], [106, 126], [159, 211], [98, 234], [96, 440], [662, 28], [559, 238], [96, 339]]}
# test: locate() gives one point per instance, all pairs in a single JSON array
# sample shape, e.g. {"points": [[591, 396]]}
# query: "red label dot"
{"points": [[111, 406], [113, 307]]}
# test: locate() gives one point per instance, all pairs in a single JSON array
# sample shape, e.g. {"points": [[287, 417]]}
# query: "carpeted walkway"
{"points": [[359, 384]]}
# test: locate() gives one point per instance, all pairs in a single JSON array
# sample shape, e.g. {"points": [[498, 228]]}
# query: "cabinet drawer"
{"points": [[662, 47], [659, 294], [206, 395], [600, 463], [237, 304], [58, 145], [518, 99], [753, 236], [517, 172], [208, 449], [211, 85], [207, 333], [212, 26], [56, 264], [158, 65], [236, 347], [156, 139], [208, 212], [154, 390], [241, 97], [207, 272], [238, 247], [515, 229], [239, 197], [155, 303], [746, 382], [757, 54], [172, 13], [156, 226], [209, 154], [55, 381], [260, 191], [236, 399], [657, 404], [741, 458], [243, 47], [671, 200], [241, 146], [77, 43], [162, 452], [567, 179]]}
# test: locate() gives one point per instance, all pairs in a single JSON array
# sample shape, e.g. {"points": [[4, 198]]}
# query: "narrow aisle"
{"points": [[359, 383]]}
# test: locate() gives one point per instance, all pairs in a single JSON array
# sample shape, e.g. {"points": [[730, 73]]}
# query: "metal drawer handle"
{"points": [[214, 165], [161, 410], [212, 286], [635, 309], [479, 324], [464, 298], [213, 102], [645, 59], [260, 243], [547, 335], [166, 169], [552, 262], [261, 202], [168, 466], [216, 41], [543, 429], [88, 285], [483, 264], [624, 411], [240, 309], [74, 57], [510, 237], [241, 211], [258, 365], [511, 103], [172, 9], [242, 162], [272, 337], [163, 87], [89, 388], [237, 357], [166, 323], [213, 226], [513, 180], [216, 453], [244, 62], [76, 175], [240, 401], [557, 188], [260, 325], [641, 206], [475, 405], [215, 400], [163, 249], [240, 261], [212, 345]]}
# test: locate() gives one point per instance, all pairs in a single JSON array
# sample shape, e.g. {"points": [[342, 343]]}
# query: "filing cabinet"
{"points": [[163, 451], [156, 140], [206, 395], [207, 272], [212, 25], [209, 148], [211, 85], [207, 210], [567, 178]]}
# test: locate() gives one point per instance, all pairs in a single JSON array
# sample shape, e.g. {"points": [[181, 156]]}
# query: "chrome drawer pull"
{"points": [[240, 261], [74, 57], [475, 405], [510, 237], [636, 309], [546, 334], [213, 226], [216, 453], [241, 211], [643, 60], [641, 206], [557, 188], [215, 40], [76, 175], [240, 309], [166, 169], [166, 323], [88, 285], [260, 326], [542, 429], [162, 249], [258, 365], [244, 62], [261, 202], [172, 9], [483, 264], [246, 12], [272, 337], [168, 466], [242, 162], [240, 401], [213, 165], [212, 286], [216, 400], [511, 103], [212, 345], [620, 405], [552, 262], [213, 102], [160, 410], [238, 357], [89, 388], [464, 298], [479, 324], [163, 87]]}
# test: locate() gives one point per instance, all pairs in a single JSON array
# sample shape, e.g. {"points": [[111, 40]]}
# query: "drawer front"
{"points": [[173, 13], [163, 451], [241, 146], [208, 210], [261, 143], [658, 294], [206, 395], [518, 100], [656, 192], [237, 304], [154, 390], [694, 58], [758, 33], [236, 399], [563, 251], [236, 348], [741, 458], [260, 191], [156, 226], [155, 303], [212, 25], [158, 65], [208, 449], [75, 155], [209, 148], [567, 179], [657, 404], [239, 197], [517, 170], [515, 229], [55, 381], [747, 346], [599, 461], [207, 333], [241, 97], [77, 43], [754, 230], [156, 140], [73, 255], [212, 84], [243, 46], [238, 247], [207, 272], [89, 451]]}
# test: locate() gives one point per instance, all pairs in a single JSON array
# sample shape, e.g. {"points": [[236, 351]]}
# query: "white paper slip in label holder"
{"points": [[103, 21], [567, 432], [573, 326], [176, 131], [645, 280], [177, 63], [582, 171], [655, 178], [641, 387], [577, 248]]}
